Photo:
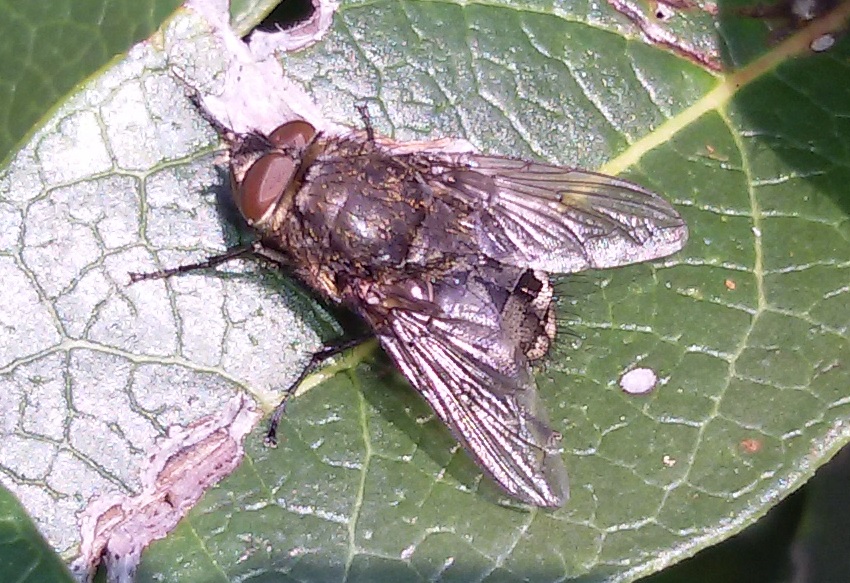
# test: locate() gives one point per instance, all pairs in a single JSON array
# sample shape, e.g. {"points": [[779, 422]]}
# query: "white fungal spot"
{"points": [[407, 552], [822, 43], [639, 381]]}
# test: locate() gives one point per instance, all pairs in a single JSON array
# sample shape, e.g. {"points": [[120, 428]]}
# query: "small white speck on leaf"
{"points": [[407, 553], [639, 381], [822, 43]]}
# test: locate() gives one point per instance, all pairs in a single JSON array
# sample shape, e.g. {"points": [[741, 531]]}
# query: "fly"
{"points": [[446, 257]]}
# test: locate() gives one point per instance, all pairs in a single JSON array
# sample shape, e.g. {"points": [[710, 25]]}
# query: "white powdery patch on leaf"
{"points": [[639, 381], [116, 528], [92, 369]]}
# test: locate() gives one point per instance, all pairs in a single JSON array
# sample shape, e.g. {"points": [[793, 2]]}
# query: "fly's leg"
{"points": [[363, 110], [209, 262], [328, 351], [257, 250]]}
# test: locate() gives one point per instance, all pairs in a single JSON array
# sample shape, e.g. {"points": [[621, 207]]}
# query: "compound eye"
{"points": [[263, 185], [293, 134]]}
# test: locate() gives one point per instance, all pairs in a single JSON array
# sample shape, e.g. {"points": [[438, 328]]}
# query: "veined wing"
{"points": [[562, 220], [476, 379]]}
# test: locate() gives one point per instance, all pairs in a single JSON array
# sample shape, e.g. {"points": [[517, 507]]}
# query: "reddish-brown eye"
{"points": [[263, 185], [295, 134]]}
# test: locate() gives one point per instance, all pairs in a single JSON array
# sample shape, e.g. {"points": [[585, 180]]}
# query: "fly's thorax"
{"points": [[363, 203]]}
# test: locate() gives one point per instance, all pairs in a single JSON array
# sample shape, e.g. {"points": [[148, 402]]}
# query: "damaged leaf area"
{"points": [[116, 528], [95, 371], [116, 397]]}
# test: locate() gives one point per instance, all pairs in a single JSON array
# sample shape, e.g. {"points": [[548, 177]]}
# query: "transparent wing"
{"points": [[561, 220], [453, 351]]}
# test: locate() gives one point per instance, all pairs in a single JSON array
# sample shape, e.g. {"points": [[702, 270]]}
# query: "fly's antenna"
{"points": [[363, 110]]}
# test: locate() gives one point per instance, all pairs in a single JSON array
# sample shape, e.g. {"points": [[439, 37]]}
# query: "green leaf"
{"points": [[25, 556], [49, 49], [245, 14], [747, 327]]}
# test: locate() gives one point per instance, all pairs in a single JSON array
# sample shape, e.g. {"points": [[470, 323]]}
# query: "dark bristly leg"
{"points": [[256, 249], [219, 127], [326, 352], [363, 110], [232, 253]]}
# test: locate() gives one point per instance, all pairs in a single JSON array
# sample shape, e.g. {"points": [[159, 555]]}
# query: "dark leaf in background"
{"points": [[26, 556], [49, 48]]}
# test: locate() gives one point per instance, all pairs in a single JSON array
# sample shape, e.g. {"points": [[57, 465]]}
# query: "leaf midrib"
{"points": [[795, 45]]}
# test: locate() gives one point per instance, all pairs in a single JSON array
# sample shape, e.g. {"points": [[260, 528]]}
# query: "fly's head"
{"points": [[264, 169]]}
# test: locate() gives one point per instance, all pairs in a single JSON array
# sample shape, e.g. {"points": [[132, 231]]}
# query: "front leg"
{"points": [[258, 251], [237, 252]]}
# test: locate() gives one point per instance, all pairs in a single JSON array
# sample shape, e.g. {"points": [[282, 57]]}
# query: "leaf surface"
{"points": [[746, 328]]}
